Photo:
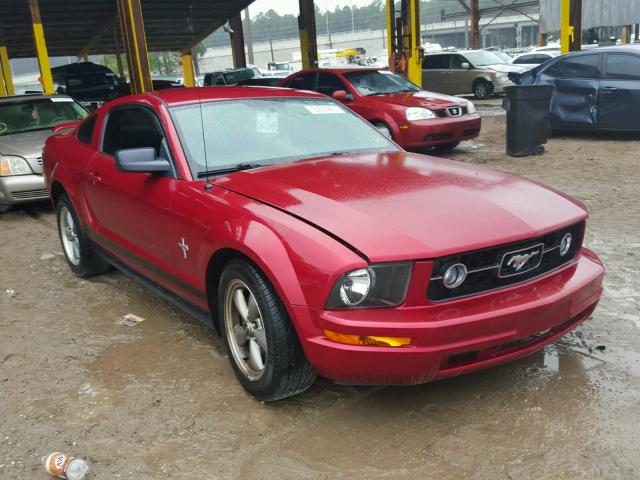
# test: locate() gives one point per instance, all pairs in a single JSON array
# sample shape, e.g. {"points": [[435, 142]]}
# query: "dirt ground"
{"points": [[159, 400]]}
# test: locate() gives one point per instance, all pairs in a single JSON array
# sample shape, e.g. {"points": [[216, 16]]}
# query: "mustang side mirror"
{"points": [[341, 95], [141, 160], [466, 65]]}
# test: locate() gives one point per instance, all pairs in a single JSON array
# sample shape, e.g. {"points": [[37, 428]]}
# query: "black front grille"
{"points": [[493, 268], [441, 113]]}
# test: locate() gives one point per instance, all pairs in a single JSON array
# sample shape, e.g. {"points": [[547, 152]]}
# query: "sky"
{"points": [[291, 6]]}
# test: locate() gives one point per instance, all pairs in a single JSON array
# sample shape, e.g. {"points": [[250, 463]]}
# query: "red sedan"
{"points": [[315, 245], [413, 117]]}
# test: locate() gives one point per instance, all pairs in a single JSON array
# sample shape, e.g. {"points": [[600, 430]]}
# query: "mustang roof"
{"points": [[182, 96]]}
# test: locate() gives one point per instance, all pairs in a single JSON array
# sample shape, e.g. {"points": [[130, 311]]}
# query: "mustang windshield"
{"points": [[260, 131], [25, 115], [373, 82]]}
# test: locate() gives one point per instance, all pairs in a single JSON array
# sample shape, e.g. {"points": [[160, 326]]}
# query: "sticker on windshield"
{"points": [[267, 122], [323, 109], [61, 99]]}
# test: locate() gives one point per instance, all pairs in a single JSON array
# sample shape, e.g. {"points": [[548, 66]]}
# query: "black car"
{"points": [[230, 76], [593, 89], [261, 82], [89, 83]]}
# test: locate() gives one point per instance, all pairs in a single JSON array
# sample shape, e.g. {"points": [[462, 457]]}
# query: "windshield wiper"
{"points": [[230, 169]]}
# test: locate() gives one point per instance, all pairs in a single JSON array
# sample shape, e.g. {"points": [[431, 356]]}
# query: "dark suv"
{"points": [[89, 83]]}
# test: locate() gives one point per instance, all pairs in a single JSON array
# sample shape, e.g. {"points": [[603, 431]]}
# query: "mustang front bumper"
{"points": [[22, 189], [452, 337]]}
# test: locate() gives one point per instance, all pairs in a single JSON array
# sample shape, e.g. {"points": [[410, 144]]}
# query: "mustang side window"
{"points": [[133, 128]]}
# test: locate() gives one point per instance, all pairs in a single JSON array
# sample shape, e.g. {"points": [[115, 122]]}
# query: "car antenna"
{"points": [[207, 184]]}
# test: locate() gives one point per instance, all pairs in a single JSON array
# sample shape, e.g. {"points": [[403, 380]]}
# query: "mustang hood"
{"points": [[397, 205]]}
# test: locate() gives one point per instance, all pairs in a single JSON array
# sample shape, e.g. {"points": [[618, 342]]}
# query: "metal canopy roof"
{"points": [[70, 26]]}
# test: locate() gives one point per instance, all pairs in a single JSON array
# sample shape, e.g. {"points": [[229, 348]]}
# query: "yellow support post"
{"points": [[188, 73], [5, 68], [566, 30], [3, 90], [41, 48], [135, 45], [414, 70]]}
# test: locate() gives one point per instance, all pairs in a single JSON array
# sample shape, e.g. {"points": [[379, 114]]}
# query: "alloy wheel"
{"points": [[244, 329], [69, 236]]}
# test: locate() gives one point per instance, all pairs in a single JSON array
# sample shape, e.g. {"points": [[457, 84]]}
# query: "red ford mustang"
{"points": [[413, 117], [314, 244]]}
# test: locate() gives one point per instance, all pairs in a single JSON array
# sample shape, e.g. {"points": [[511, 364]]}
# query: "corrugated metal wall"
{"points": [[595, 13]]}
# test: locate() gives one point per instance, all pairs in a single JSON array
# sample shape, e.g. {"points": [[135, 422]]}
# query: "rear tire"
{"points": [[262, 344], [80, 253], [4, 208], [482, 89]]}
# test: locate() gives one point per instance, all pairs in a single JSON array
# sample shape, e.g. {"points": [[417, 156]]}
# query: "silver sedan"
{"points": [[25, 123]]}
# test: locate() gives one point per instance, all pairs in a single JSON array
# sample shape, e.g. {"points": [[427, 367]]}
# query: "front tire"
{"points": [[262, 344], [79, 252], [482, 89]]}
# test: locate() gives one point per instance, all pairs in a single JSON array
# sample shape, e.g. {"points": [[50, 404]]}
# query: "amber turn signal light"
{"points": [[371, 340]]}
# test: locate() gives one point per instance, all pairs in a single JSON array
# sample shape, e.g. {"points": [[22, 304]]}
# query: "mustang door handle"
{"points": [[609, 89], [94, 178]]}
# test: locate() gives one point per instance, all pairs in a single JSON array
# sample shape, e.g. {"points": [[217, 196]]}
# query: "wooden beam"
{"points": [[237, 42], [307, 29], [97, 36], [475, 24]]}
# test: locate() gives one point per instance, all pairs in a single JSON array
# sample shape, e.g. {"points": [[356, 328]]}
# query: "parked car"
{"points": [[504, 56], [413, 117], [89, 83], [464, 72], [279, 69], [25, 123], [313, 243], [158, 84], [230, 76], [261, 82], [593, 89], [531, 60]]}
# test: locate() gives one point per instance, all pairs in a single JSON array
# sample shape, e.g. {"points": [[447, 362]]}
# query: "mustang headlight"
{"points": [[471, 108], [378, 285], [10, 165], [419, 113]]}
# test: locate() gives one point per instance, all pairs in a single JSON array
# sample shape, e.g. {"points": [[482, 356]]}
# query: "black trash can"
{"points": [[528, 109]]}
